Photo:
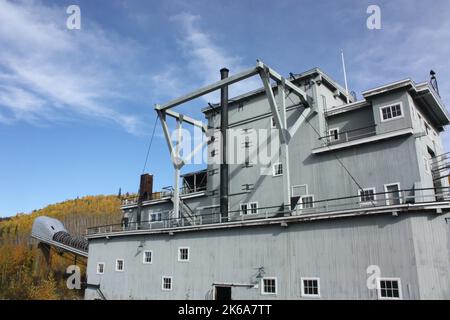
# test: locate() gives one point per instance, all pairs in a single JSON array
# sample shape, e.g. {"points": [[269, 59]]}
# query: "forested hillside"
{"points": [[24, 273]]}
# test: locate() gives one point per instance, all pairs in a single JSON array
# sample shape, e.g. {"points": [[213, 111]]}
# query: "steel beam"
{"points": [[273, 105], [281, 95], [177, 166], [187, 119], [278, 78], [299, 122], [162, 118], [210, 88]]}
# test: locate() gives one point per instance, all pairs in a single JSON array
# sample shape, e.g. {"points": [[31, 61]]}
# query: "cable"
{"points": [[150, 144], [337, 158]]}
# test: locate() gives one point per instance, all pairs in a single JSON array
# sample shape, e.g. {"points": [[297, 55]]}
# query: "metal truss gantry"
{"points": [[277, 106]]}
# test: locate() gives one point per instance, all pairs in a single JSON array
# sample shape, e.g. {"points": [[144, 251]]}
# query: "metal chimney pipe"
{"points": [[223, 130]]}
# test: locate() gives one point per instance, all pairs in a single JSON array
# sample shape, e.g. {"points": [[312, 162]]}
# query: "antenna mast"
{"points": [[345, 74]]}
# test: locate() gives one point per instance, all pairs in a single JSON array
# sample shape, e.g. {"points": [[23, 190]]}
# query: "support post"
{"points": [[177, 166], [284, 146], [224, 131]]}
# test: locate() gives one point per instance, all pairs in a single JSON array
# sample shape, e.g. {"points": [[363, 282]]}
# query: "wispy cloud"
{"points": [[202, 58], [48, 72], [404, 48]]}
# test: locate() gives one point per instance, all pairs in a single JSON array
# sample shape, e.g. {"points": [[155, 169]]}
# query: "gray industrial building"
{"points": [[356, 207]]}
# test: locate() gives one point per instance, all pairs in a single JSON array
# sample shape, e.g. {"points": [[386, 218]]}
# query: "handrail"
{"points": [[424, 195], [348, 131]]}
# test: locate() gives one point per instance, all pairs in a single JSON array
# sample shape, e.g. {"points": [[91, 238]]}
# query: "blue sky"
{"points": [[76, 106]]}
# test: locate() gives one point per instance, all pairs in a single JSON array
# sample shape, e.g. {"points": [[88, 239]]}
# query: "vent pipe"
{"points": [[145, 193], [223, 130]]}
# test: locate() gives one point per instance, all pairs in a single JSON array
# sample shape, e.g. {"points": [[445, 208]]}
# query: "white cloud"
{"points": [[404, 48], [48, 72], [203, 59]]}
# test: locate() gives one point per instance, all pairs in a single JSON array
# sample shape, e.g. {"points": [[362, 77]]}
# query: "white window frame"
{"points": [[274, 170], [162, 283], [298, 186], [123, 265], [389, 279], [399, 193], [331, 136], [300, 201], [242, 211], [98, 264], [390, 106], [306, 295], [249, 208], [276, 286], [151, 257], [188, 254], [155, 214], [367, 202]]}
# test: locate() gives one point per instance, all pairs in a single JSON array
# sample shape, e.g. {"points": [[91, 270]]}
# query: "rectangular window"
{"points": [[269, 285], [119, 265], [307, 202], [310, 287], [333, 134], [389, 288], [147, 257], [253, 207], [183, 254], [100, 268], [155, 217], [427, 129], [166, 283], [391, 112], [244, 208], [392, 194], [278, 169], [367, 195]]}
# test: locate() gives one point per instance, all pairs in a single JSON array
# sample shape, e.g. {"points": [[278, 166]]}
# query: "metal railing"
{"points": [[392, 199], [349, 135], [166, 193]]}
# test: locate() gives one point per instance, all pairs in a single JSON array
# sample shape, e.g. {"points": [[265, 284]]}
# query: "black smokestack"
{"points": [[223, 130]]}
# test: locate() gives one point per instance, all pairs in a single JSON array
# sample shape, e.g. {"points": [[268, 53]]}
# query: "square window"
{"points": [[307, 202], [269, 286], [183, 254], [147, 257], [310, 287], [119, 265], [155, 217], [389, 288], [367, 195], [100, 268], [278, 169], [166, 283]]}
